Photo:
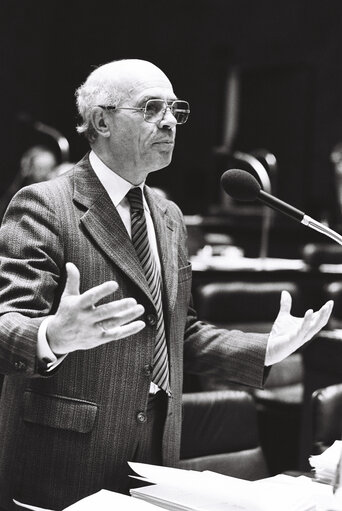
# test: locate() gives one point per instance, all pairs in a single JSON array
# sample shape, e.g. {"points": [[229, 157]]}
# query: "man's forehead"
{"points": [[136, 77], [143, 93], [140, 86]]}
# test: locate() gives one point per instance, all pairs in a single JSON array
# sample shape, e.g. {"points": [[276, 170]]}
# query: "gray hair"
{"points": [[98, 89]]}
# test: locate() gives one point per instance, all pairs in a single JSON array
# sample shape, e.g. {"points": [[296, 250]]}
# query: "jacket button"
{"points": [[19, 365], [147, 370], [141, 417], [151, 319]]}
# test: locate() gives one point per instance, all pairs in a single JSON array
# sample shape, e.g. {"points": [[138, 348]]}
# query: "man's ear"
{"points": [[99, 121]]}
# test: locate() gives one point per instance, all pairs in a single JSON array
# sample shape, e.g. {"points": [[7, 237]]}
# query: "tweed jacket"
{"points": [[69, 433]]}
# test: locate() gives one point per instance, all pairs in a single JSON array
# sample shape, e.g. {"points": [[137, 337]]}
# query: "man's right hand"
{"points": [[81, 325]]}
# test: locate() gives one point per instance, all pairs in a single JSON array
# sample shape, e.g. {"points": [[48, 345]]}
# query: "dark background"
{"points": [[287, 53]]}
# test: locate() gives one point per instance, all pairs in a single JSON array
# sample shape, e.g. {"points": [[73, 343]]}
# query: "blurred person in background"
{"points": [[37, 164]]}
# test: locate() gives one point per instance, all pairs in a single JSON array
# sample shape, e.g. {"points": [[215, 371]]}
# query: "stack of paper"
{"points": [[325, 464], [186, 490], [105, 500]]}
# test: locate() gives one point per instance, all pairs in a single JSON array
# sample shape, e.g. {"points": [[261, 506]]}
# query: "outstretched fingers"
{"points": [[307, 324], [123, 331], [92, 296], [285, 302], [118, 312], [72, 285], [320, 318]]}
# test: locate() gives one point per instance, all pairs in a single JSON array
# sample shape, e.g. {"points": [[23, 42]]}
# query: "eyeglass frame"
{"points": [[143, 108]]}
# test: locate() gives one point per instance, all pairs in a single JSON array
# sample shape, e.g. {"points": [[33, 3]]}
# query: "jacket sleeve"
{"points": [[31, 261], [232, 355]]}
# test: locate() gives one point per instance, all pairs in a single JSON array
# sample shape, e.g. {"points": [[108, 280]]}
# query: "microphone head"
{"points": [[240, 185]]}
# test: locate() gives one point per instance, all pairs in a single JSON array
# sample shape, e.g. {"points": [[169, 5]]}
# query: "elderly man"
{"points": [[96, 314]]}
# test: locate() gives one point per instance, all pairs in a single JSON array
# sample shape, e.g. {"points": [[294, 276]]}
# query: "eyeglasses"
{"points": [[155, 109]]}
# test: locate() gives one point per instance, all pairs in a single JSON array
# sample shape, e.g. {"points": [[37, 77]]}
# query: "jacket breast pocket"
{"points": [[59, 412]]}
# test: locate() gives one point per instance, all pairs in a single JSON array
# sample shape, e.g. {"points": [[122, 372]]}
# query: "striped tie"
{"points": [[160, 373]]}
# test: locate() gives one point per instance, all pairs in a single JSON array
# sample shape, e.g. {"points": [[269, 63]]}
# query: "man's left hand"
{"points": [[290, 333]]}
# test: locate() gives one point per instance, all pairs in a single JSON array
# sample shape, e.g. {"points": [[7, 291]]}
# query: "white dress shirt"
{"points": [[117, 189]]}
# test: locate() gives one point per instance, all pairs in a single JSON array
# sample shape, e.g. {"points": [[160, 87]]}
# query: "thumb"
{"points": [[285, 302], [72, 285]]}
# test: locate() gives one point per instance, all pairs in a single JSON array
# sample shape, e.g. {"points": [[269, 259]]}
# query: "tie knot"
{"points": [[135, 198]]}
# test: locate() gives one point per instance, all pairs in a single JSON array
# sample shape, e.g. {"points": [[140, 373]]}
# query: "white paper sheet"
{"points": [[178, 489], [106, 500]]}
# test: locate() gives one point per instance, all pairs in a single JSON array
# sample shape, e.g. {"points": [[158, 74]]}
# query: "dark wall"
{"points": [[288, 54]]}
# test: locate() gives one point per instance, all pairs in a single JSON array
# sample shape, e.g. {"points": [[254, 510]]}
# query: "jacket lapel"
{"points": [[104, 225]]}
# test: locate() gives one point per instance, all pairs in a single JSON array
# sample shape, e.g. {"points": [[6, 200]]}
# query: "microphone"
{"points": [[242, 186]]}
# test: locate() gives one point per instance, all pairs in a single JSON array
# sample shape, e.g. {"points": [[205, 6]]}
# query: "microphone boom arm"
{"points": [[298, 215], [323, 229], [279, 205]]}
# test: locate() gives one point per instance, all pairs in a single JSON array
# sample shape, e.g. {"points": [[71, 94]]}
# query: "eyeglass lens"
{"points": [[155, 108]]}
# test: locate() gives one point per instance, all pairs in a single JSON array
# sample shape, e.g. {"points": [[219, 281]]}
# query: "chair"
{"points": [[326, 417], [220, 433], [253, 307]]}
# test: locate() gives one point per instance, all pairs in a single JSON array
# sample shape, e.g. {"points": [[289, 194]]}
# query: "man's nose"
{"points": [[168, 120]]}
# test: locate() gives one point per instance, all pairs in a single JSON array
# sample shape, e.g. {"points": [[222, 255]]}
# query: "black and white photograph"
{"points": [[171, 255]]}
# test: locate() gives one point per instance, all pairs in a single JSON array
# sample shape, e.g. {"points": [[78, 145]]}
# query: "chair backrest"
{"points": [[250, 304], [220, 433], [326, 417], [251, 307]]}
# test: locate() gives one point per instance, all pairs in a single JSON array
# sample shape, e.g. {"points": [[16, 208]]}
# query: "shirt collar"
{"points": [[116, 186]]}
